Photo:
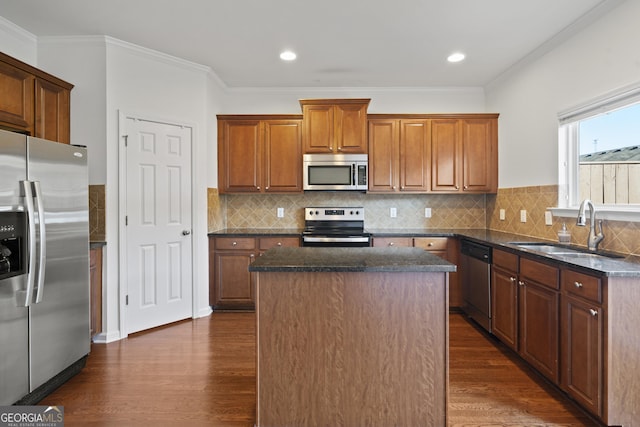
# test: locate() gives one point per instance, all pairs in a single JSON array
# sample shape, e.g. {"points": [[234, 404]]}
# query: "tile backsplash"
{"points": [[448, 211], [97, 213], [259, 211]]}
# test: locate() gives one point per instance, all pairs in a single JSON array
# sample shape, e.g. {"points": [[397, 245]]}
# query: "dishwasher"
{"points": [[475, 266]]}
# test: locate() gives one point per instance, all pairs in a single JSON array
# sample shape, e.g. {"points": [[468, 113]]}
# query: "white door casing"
{"points": [[158, 221]]}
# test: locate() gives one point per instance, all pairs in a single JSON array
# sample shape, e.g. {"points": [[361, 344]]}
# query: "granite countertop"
{"points": [[625, 266], [350, 260], [252, 232]]}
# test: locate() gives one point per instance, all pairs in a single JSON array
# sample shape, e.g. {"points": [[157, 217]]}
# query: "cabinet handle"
{"points": [[279, 243], [252, 255], [339, 148], [430, 244], [466, 187], [578, 284], [457, 187], [593, 312], [390, 243], [234, 244], [266, 188], [394, 187], [513, 279], [258, 187], [521, 283]]}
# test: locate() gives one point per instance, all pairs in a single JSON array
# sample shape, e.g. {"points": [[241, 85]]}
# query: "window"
{"points": [[599, 152]]}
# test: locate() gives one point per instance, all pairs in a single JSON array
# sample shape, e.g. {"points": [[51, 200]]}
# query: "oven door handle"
{"points": [[320, 239]]}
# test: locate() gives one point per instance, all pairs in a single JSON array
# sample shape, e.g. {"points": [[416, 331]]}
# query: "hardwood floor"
{"points": [[202, 373]]}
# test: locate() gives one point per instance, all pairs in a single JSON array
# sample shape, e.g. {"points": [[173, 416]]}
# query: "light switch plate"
{"points": [[523, 215], [393, 212], [427, 212], [280, 212], [548, 218], [502, 215]]}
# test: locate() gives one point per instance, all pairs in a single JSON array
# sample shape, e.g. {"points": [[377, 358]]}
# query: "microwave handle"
{"points": [[354, 170]]}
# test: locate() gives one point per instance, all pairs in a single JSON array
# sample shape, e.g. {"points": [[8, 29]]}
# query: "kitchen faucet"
{"points": [[594, 239]]}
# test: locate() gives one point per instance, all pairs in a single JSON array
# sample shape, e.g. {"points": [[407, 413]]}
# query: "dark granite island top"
{"points": [[351, 336], [351, 260]]}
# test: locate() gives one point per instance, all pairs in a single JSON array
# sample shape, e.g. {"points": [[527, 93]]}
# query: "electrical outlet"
{"points": [[548, 218], [523, 215], [393, 212], [280, 212], [502, 215], [427, 212]]}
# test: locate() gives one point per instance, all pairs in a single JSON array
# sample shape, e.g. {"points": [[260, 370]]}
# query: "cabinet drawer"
{"points": [[381, 242], [273, 242], [506, 260], [582, 285], [431, 243], [540, 273], [235, 243]]}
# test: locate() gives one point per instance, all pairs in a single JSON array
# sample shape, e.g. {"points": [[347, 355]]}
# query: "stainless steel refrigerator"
{"points": [[44, 266]]}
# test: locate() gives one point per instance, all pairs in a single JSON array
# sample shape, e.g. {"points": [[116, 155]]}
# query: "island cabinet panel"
{"points": [[257, 154], [335, 126], [380, 242], [351, 348]]}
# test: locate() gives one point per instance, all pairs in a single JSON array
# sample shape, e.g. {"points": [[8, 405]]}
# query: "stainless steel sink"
{"points": [[564, 251]]}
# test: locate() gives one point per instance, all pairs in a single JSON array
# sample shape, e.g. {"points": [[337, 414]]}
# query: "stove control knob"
{"points": [[317, 212]]}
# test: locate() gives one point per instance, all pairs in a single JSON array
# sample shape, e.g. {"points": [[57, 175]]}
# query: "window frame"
{"points": [[569, 154]]}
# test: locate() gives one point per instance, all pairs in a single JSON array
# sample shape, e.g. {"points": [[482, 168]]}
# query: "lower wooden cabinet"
{"points": [[95, 280], [504, 298], [231, 285], [582, 339]]}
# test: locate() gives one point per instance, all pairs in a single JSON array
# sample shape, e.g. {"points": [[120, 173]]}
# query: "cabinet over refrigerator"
{"points": [[44, 266]]}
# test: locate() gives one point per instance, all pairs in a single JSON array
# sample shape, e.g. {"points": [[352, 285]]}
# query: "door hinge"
{"points": [[126, 140], [126, 220], [126, 300]]}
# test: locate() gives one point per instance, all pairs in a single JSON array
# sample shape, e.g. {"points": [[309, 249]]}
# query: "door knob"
{"points": [[186, 232]]}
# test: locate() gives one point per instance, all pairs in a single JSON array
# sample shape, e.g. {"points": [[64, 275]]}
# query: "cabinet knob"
{"points": [[457, 187], [234, 244], [279, 243], [390, 243], [339, 148], [593, 312], [521, 283], [466, 187], [266, 188], [430, 244], [258, 187], [394, 187], [513, 279], [577, 284]]}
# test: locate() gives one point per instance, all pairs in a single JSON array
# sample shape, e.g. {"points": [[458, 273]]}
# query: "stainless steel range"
{"points": [[335, 227]]}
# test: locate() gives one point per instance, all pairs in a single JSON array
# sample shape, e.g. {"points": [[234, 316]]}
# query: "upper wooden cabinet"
{"points": [[441, 153], [464, 154], [259, 154], [34, 102], [335, 125], [399, 155]]}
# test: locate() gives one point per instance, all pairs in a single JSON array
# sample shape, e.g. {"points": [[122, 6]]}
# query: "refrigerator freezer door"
{"points": [[60, 329], [14, 322]]}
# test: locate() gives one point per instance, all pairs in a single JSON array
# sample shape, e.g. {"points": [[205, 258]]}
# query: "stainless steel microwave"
{"points": [[335, 172]]}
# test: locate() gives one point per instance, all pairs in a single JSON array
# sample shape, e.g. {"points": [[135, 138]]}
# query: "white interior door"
{"points": [[158, 224]]}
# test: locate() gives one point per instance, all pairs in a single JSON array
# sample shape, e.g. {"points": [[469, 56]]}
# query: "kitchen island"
{"points": [[351, 336]]}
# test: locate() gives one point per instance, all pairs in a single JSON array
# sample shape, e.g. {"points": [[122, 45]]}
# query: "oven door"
{"points": [[336, 241]]}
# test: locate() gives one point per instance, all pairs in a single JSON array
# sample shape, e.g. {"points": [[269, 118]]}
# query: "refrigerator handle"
{"points": [[31, 250], [42, 246]]}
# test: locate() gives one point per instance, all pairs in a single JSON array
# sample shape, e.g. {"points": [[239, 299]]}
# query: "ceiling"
{"points": [[339, 43]]}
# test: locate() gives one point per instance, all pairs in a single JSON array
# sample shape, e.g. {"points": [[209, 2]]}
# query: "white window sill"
{"points": [[615, 213]]}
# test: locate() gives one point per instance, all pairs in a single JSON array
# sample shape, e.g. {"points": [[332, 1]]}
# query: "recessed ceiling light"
{"points": [[456, 57], [287, 55]]}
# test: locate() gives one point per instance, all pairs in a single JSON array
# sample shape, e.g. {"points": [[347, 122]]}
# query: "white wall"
{"points": [[82, 62], [383, 100], [17, 42], [599, 59]]}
